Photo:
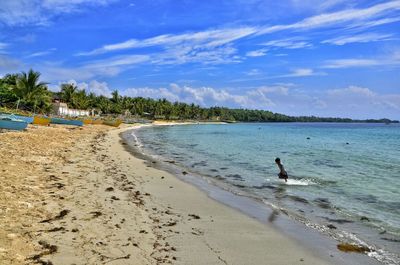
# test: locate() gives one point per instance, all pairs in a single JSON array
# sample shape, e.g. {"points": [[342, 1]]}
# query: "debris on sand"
{"points": [[194, 216], [96, 214], [57, 217], [47, 250], [347, 247]]}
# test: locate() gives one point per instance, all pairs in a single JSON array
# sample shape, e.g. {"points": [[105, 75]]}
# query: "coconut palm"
{"points": [[68, 92], [80, 100], [7, 84], [32, 93]]}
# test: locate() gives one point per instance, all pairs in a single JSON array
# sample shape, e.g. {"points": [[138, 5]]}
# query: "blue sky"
{"points": [[298, 57]]}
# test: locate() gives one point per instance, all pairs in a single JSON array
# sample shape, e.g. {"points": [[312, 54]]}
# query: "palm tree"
{"points": [[68, 92], [116, 99], [104, 104], [31, 92], [7, 95], [80, 100]]}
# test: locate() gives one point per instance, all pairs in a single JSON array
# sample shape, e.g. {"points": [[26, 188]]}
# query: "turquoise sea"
{"points": [[344, 179]]}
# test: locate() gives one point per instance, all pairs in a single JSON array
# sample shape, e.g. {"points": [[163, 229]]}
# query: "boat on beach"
{"points": [[27, 119], [41, 120], [66, 121], [114, 123], [97, 121], [87, 121], [8, 122]]}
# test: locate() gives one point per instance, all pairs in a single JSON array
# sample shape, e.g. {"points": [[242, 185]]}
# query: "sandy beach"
{"points": [[78, 196]]}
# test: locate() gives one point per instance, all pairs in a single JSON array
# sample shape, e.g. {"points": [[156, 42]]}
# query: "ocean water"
{"points": [[344, 179]]}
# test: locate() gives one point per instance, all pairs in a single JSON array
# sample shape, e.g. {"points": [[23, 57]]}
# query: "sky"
{"points": [[336, 58]]}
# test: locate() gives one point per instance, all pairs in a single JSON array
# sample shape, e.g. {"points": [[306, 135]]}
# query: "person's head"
{"points": [[277, 160]]}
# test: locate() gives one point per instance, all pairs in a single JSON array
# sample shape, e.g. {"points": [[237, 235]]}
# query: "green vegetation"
{"points": [[24, 91]]}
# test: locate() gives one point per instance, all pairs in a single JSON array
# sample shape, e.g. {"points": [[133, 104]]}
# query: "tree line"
{"points": [[25, 91]]}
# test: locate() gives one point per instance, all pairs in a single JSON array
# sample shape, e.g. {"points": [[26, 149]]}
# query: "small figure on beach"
{"points": [[282, 174]]}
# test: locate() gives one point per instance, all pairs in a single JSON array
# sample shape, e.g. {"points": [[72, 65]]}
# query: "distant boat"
{"points": [[97, 121], [41, 120], [9, 123], [66, 121], [87, 121], [27, 119], [114, 123]]}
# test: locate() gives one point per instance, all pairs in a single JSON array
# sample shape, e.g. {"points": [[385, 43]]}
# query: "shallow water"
{"points": [[343, 175]]}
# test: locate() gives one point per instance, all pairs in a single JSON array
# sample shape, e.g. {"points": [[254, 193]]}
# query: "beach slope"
{"points": [[77, 196]]}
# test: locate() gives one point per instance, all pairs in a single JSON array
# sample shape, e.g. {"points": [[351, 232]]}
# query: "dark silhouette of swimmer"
{"points": [[282, 174]]}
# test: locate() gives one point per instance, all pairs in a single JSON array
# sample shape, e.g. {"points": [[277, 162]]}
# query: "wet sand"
{"points": [[77, 196]]}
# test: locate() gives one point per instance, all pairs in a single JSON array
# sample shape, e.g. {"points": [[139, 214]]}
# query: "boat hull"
{"points": [[97, 122], [41, 121], [66, 122], [9, 124], [114, 123], [87, 121], [26, 119]]}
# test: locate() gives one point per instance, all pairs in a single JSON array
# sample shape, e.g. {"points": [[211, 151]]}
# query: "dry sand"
{"points": [[77, 196]]}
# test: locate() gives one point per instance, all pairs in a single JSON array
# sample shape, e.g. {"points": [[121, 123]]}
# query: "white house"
{"points": [[62, 109]]}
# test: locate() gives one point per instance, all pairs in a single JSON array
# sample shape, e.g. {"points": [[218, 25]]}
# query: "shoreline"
{"points": [[217, 212], [256, 209], [90, 201]]}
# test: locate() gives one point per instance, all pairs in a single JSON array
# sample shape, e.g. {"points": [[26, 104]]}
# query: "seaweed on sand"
{"points": [[347, 247]]}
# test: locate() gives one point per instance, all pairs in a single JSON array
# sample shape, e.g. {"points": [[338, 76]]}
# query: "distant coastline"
{"points": [[24, 91]]}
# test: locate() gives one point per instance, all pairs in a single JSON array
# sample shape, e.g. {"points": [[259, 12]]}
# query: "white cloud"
{"points": [[94, 86], [351, 101], [28, 38], [316, 5], [39, 12], [257, 53], [302, 72], [279, 89], [297, 72], [290, 43], [361, 38], [253, 72], [320, 104], [52, 73], [117, 61], [390, 59], [8, 64], [215, 46], [3, 45], [340, 17], [98, 88], [181, 55], [373, 23], [352, 90], [67, 6], [41, 53], [110, 67], [258, 97], [207, 47], [348, 63], [147, 92], [195, 40], [361, 99]]}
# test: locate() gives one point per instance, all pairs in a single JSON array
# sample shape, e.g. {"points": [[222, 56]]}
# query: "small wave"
{"points": [[136, 140], [299, 182]]}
